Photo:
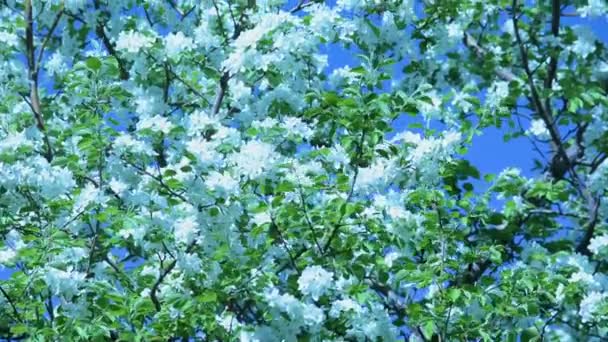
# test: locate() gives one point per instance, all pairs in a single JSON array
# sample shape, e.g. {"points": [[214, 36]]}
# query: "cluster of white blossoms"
{"points": [[301, 317], [175, 43], [297, 127], [52, 181], [9, 39], [14, 141], [88, 195], [315, 281], [125, 142], [594, 8], [186, 230], [253, 158], [204, 150], [497, 93], [155, 123], [65, 283], [598, 244], [245, 53], [377, 175], [223, 183], [539, 129], [425, 154], [56, 64], [12, 244], [585, 42], [591, 304], [133, 41]]}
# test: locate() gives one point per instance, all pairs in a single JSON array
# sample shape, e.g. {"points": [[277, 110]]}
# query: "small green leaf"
{"points": [[207, 297], [428, 329], [454, 294], [93, 63]]}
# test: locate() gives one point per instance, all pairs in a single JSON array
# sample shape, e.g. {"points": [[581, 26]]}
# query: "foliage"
{"points": [[188, 169]]}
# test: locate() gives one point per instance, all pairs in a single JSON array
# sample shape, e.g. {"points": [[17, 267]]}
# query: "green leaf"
{"points": [[19, 329], [529, 335], [454, 294], [428, 329], [207, 297], [93, 63], [331, 98]]}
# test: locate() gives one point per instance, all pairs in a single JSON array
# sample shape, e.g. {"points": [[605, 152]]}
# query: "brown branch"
{"points": [[174, 6], [589, 229], [181, 80], [301, 5], [283, 241], [561, 154], [101, 33], [543, 112], [529, 75], [308, 222], [33, 77], [220, 93], [159, 281], [470, 42], [555, 20], [334, 232], [48, 36], [12, 304], [163, 274]]}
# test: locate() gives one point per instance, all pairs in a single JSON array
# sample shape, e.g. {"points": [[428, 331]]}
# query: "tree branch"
{"points": [[48, 36], [101, 33], [33, 76], [555, 20], [220, 93], [470, 42], [12, 304], [163, 274]]}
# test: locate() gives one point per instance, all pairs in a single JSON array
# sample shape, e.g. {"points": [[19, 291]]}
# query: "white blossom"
{"points": [[133, 42], [155, 123], [14, 141], [455, 31], [598, 243], [66, 283], [204, 150], [344, 305], [315, 281], [342, 75], [254, 158], [6, 256], [261, 218], [89, 194], [9, 39], [222, 182], [186, 229], [590, 304], [594, 8], [176, 43], [117, 186], [539, 129], [56, 63], [298, 127], [584, 45], [338, 156], [497, 92]]}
